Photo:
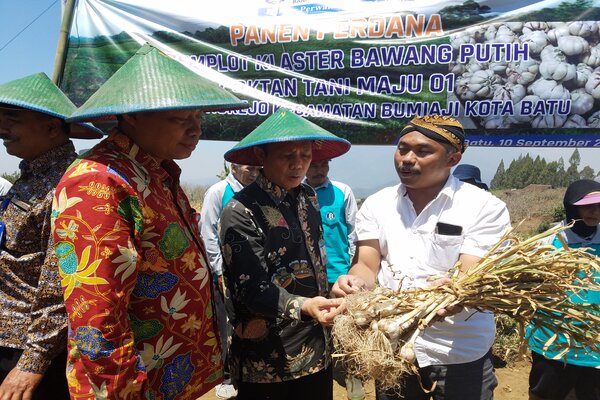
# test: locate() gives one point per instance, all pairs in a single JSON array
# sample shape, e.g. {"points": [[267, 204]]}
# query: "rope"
{"points": [[28, 25]]}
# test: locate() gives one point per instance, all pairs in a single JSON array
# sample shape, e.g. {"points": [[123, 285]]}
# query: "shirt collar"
{"points": [[234, 183], [48, 159], [325, 183], [277, 193], [165, 170], [447, 190]]}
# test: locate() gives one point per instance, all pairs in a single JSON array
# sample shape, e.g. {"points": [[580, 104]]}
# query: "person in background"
{"points": [[553, 374], [470, 174], [33, 320], [418, 230], [215, 198], [274, 263], [135, 277], [4, 186], [338, 210]]}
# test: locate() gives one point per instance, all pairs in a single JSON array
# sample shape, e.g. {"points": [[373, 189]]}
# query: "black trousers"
{"points": [[317, 386], [474, 380], [553, 380], [54, 383]]}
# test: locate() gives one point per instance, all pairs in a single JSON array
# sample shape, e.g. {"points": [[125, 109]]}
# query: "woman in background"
{"points": [[577, 370]]}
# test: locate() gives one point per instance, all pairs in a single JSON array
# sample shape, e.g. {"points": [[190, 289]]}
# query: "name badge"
{"points": [[323, 251]]}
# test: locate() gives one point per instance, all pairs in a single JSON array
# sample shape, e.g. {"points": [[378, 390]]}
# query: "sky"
{"points": [[365, 168]]}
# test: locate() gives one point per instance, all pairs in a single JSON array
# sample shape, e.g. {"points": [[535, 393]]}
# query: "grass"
{"points": [[535, 205]]}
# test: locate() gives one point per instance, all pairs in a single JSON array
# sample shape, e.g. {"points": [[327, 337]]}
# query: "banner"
{"points": [[515, 73]]}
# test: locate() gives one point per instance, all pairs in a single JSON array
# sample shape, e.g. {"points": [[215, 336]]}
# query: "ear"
{"points": [[259, 152], [454, 158], [130, 118], [55, 128]]}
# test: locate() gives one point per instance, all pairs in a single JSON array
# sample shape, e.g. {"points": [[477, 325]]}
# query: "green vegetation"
{"points": [[465, 14], [525, 171]]}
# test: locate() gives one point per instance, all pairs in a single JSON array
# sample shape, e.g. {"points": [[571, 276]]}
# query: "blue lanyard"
{"points": [[5, 203]]}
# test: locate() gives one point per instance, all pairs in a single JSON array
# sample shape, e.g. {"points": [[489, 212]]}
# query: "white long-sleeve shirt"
{"points": [[209, 220]]}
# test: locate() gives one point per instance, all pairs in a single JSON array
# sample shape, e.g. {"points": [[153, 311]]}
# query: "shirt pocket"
{"points": [[443, 250]]}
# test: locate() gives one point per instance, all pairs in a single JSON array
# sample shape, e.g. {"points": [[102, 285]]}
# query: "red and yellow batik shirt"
{"points": [[134, 277]]}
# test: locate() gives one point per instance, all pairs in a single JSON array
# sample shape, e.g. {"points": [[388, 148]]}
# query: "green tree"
{"points": [[499, 177], [575, 158], [587, 173], [572, 173]]}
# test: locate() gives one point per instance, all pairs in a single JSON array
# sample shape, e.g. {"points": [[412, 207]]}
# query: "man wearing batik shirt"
{"points": [[274, 264], [32, 315], [134, 273], [215, 198]]}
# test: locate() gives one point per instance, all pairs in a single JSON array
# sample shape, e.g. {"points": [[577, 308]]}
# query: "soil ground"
{"points": [[512, 385]]}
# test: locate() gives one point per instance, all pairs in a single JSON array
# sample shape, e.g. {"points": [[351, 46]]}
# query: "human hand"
{"points": [[323, 310], [449, 310], [19, 385], [347, 284]]}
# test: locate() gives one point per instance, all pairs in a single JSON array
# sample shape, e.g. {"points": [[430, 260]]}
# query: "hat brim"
{"points": [[110, 113], [592, 198], [322, 149], [77, 130]]}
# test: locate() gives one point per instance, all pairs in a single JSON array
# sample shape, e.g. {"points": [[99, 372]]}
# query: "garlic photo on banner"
{"points": [[555, 84]]}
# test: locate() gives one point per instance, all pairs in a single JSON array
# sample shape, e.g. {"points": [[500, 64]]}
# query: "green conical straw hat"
{"points": [[153, 81], [38, 93], [285, 126]]}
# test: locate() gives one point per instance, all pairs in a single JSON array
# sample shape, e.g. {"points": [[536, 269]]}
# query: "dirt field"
{"points": [[512, 385]]}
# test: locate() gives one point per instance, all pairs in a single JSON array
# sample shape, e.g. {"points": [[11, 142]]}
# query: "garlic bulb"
{"points": [[548, 121], [557, 70], [583, 28], [582, 74], [575, 121], [522, 72], [536, 40], [581, 102], [573, 45], [592, 86], [552, 53], [555, 33], [592, 58], [535, 26], [510, 92], [594, 120], [482, 83], [548, 89]]}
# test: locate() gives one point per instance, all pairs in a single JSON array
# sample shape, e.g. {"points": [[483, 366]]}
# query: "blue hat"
{"points": [[470, 174]]}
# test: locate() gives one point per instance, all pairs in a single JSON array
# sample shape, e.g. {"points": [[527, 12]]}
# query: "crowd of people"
{"points": [[114, 287]]}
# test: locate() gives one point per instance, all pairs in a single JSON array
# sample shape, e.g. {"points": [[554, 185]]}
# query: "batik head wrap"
{"points": [[439, 128]]}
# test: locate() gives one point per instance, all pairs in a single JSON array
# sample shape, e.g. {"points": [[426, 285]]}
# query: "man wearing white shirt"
{"points": [[215, 199], [416, 231]]}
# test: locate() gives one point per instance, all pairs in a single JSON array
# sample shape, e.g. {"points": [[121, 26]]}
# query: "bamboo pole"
{"points": [[63, 40]]}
